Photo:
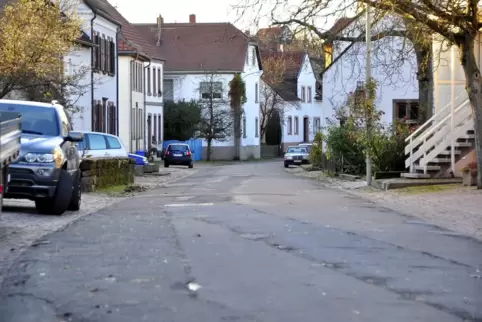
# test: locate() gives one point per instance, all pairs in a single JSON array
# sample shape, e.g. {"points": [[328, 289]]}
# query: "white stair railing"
{"points": [[414, 139], [439, 134]]}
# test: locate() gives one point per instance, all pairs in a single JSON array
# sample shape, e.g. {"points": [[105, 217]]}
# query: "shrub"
{"points": [[316, 153]]}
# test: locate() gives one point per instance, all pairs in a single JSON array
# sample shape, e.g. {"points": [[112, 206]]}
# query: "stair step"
{"points": [[447, 152], [467, 136], [441, 160], [429, 167], [463, 145], [416, 175]]}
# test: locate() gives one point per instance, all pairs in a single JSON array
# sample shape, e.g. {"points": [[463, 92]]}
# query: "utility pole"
{"points": [[368, 72]]}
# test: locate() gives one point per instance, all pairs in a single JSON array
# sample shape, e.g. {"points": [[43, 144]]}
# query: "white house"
{"points": [[393, 68], [96, 63], [300, 106], [135, 56], [445, 144], [199, 54]]}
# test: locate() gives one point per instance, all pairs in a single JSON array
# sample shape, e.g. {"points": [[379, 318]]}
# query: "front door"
{"points": [[306, 129]]}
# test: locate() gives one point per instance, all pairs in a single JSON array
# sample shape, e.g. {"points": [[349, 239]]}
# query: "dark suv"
{"points": [[47, 168], [178, 154]]}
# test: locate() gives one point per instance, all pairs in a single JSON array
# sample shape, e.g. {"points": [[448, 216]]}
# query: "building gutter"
{"points": [[92, 73], [119, 29], [147, 144]]}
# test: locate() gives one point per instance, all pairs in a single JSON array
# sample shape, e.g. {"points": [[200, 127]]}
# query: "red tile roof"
{"points": [[131, 41], [199, 46], [340, 24]]}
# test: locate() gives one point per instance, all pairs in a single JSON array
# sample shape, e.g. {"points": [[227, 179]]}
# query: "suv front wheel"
{"points": [[60, 202]]}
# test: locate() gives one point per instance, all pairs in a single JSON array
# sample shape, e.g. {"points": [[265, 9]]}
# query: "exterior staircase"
{"points": [[434, 148]]}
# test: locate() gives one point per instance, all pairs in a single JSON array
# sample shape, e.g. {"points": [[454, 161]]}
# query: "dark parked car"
{"points": [[178, 154], [47, 168]]}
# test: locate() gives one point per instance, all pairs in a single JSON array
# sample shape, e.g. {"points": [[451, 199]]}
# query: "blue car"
{"points": [[140, 160]]}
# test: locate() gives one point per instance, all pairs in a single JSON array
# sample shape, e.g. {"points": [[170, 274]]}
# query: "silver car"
{"points": [[296, 155]]}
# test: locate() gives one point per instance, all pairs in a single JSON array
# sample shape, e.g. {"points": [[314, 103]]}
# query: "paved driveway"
{"points": [[262, 244]]}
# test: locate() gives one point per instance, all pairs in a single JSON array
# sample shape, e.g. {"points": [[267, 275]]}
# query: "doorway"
{"points": [[306, 129]]}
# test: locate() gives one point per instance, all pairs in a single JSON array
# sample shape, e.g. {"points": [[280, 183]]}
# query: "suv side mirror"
{"points": [[74, 137]]}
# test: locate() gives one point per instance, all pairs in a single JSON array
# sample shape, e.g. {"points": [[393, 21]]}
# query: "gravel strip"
{"points": [[458, 209]]}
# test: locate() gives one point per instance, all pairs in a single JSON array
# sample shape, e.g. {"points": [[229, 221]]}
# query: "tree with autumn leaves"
{"points": [[35, 35], [457, 22]]}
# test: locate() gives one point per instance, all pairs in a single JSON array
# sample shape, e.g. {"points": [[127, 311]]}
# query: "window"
{"points": [[247, 57], [35, 118], [108, 68], [154, 89], [244, 127], [178, 148], [316, 125], [155, 126], [132, 70], [133, 123], [149, 81], [309, 94], [253, 57], [96, 142], [319, 91], [407, 110], [303, 94], [102, 53], [256, 93], [159, 134], [296, 125], [159, 89], [212, 90], [113, 142], [290, 125], [256, 127], [168, 90]]}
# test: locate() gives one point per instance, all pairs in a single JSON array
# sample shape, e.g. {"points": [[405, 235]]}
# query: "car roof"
{"points": [[31, 103], [178, 144], [102, 133], [293, 146]]}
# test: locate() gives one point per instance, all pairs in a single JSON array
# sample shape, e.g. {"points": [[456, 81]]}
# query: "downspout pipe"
{"points": [[146, 143], [92, 73], [117, 77]]}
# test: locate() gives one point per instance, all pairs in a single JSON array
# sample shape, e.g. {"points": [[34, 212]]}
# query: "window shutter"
{"points": [[159, 82], [99, 52], [107, 51], [112, 57]]}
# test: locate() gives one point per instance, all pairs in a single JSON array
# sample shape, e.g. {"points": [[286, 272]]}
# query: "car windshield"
{"points": [[35, 119], [178, 148], [296, 150]]}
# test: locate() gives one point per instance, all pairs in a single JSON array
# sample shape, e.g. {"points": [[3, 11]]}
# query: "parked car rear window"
{"points": [[297, 150], [178, 147], [35, 119], [96, 142], [113, 142]]}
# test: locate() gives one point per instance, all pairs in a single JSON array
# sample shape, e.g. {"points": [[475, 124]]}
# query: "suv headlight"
{"points": [[56, 156]]}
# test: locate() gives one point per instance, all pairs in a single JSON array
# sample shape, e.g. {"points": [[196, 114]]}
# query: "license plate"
{"points": [[177, 155], [297, 161]]}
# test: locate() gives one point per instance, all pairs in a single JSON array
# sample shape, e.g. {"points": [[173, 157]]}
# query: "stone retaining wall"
{"points": [[98, 173]]}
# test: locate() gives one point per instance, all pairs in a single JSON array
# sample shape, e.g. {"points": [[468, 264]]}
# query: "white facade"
{"points": [[392, 67], [187, 87], [104, 82], [154, 103], [132, 114], [303, 120]]}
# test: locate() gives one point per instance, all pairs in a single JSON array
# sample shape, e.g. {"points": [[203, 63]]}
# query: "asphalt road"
{"points": [[262, 244]]}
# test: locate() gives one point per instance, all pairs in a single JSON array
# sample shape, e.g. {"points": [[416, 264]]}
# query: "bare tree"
{"points": [[216, 115], [274, 84], [308, 23], [456, 21]]}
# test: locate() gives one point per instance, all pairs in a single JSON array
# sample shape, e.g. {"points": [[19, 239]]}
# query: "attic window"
{"points": [[212, 90], [253, 57]]}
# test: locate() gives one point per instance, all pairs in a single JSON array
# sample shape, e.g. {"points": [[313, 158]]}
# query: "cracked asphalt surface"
{"points": [[262, 244]]}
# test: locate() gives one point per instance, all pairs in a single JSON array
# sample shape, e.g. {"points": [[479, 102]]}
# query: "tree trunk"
{"points": [[237, 133], [474, 90], [425, 81], [208, 154]]}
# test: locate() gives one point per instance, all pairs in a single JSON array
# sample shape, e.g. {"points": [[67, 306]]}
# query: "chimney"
{"points": [[247, 33], [160, 21], [192, 18]]}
